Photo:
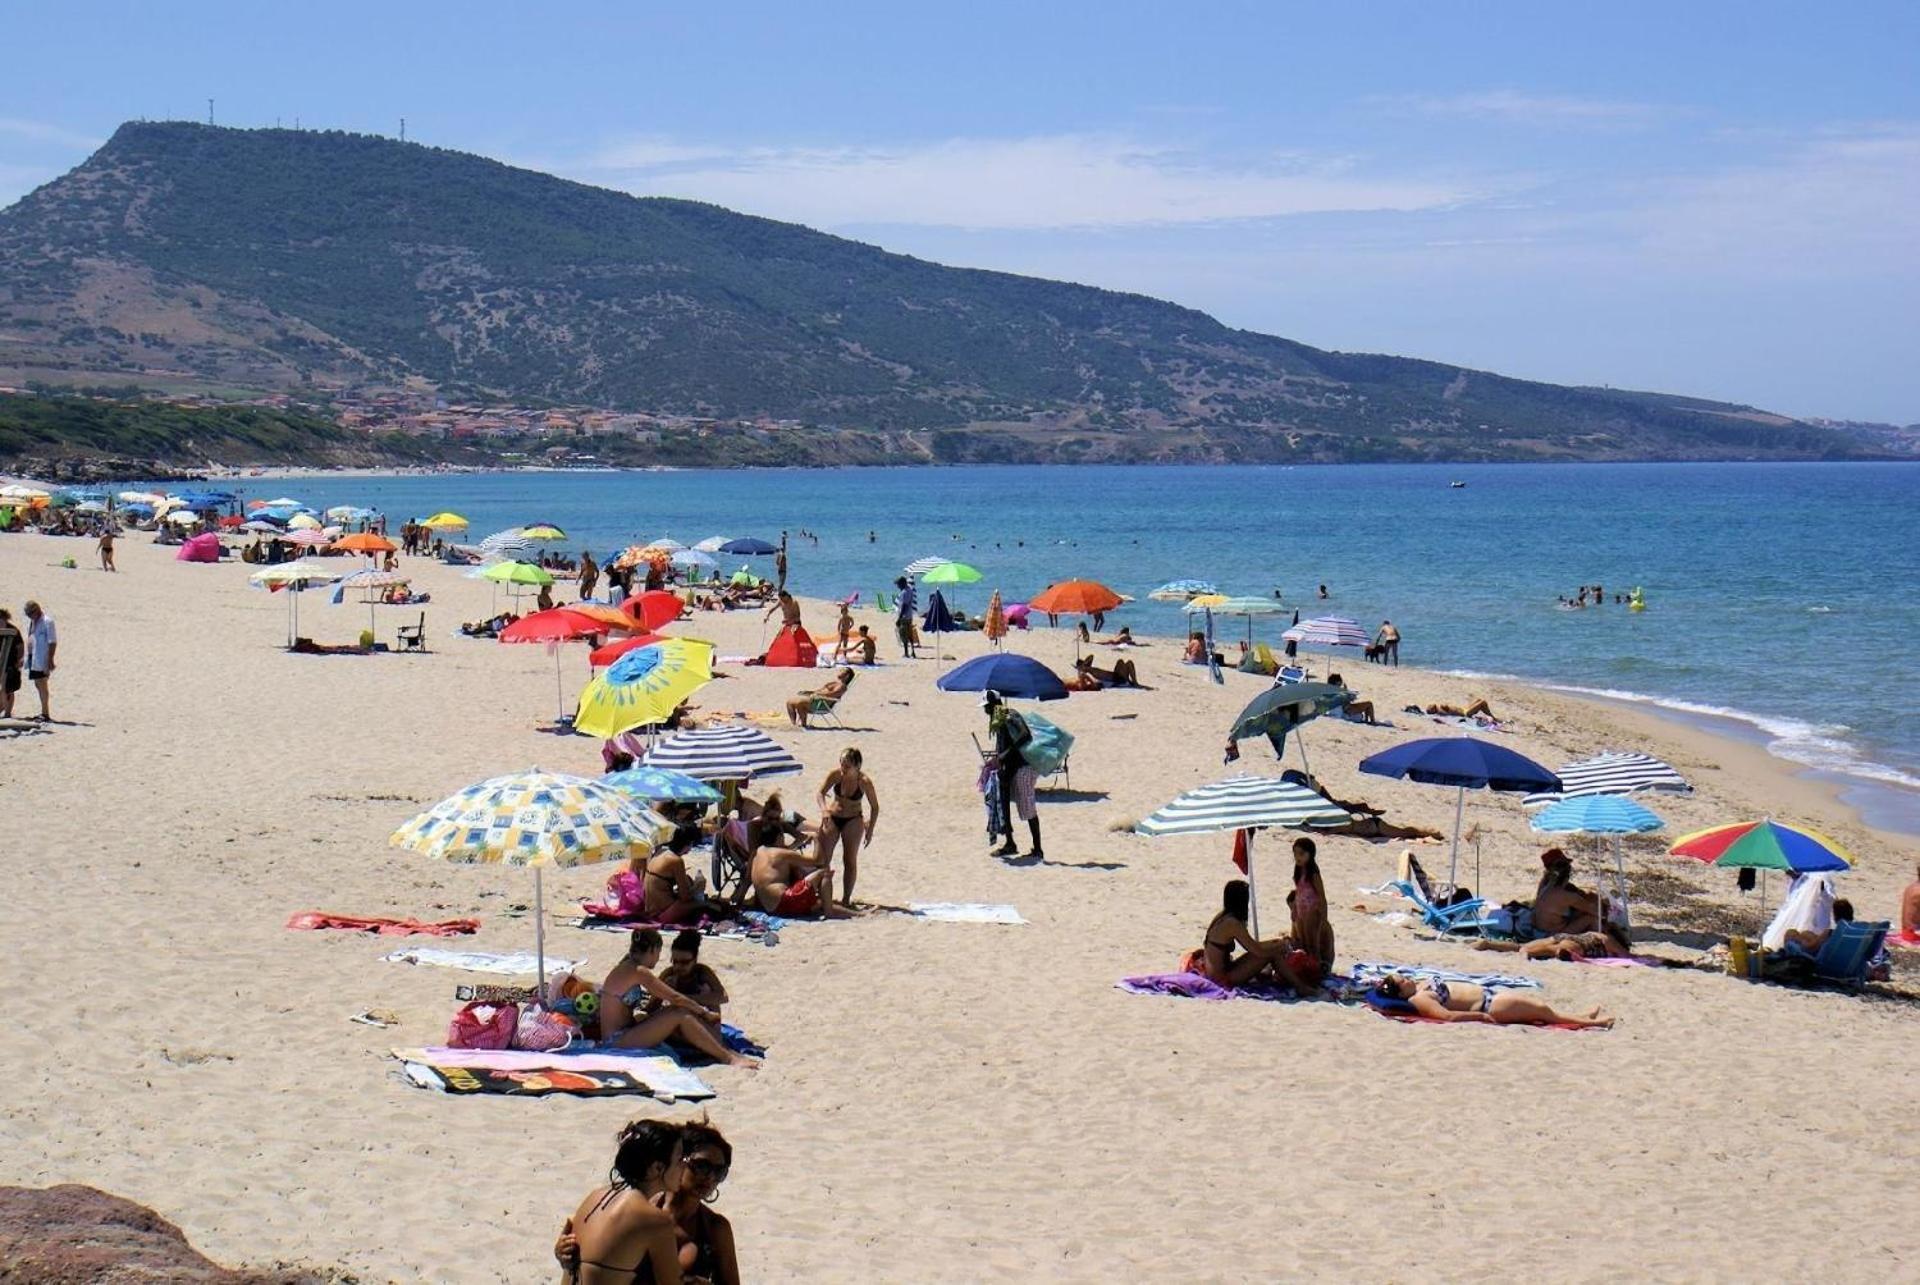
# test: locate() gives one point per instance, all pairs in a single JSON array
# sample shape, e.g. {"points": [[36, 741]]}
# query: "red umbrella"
{"points": [[601, 657], [654, 608], [232, 520], [553, 626], [1074, 598]]}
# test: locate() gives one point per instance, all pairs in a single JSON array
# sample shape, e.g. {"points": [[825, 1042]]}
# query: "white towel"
{"points": [[478, 961], [964, 912]]}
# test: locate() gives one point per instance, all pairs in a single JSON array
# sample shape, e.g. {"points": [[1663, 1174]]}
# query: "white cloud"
{"points": [[1514, 106], [1046, 181], [34, 131]]}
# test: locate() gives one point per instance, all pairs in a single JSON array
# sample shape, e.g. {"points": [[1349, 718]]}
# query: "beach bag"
{"points": [[483, 1026], [1047, 745], [541, 1030]]}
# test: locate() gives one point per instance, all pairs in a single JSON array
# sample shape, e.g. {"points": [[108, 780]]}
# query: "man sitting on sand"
{"points": [[794, 884], [1559, 904], [864, 647]]}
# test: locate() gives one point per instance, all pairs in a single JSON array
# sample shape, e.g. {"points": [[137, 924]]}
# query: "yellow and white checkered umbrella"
{"points": [[536, 819]]}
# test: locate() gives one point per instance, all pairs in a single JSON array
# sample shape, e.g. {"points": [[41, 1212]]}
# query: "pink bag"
{"points": [[541, 1030], [484, 1026]]}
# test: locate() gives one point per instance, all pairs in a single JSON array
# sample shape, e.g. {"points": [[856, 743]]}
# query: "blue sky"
{"points": [[1719, 199]]}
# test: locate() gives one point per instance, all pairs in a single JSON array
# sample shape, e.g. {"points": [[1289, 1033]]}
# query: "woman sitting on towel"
{"points": [[1216, 960], [692, 978], [638, 1010], [619, 1234], [1466, 1002]]}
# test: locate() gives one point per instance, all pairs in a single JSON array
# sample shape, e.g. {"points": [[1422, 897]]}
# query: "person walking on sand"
{"points": [[1388, 641], [42, 641], [12, 653], [105, 546], [589, 575]]}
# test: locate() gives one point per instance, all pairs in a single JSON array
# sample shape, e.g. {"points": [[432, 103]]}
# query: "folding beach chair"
{"points": [[826, 708], [413, 637], [1470, 916], [1844, 957], [1290, 674], [731, 870]]}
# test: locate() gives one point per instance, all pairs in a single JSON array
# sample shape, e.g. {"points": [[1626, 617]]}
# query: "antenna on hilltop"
{"points": [[209, 111], [403, 129]]}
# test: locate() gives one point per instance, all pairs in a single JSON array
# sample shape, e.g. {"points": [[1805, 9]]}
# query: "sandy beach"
{"points": [[941, 1101]]}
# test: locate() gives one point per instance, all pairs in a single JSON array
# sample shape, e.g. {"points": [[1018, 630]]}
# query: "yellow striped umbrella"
{"points": [[644, 686]]}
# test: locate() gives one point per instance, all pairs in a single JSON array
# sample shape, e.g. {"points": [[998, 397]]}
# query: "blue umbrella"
{"points": [[658, 784], [750, 547], [1466, 764], [1015, 676], [937, 621], [1600, 814]]}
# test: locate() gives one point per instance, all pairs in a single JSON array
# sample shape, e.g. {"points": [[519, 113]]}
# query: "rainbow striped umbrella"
{"points": [[1764, 845]]}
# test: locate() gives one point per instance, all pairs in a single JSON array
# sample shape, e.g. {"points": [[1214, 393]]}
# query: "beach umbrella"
{"points": [[138, 508], [508, 546], [307, 539], [1280, 709], [692, 558], [183, 517], [515, 573], [284, 502], [1012, 675], [660, 785], [667, 543], [744, 577], [293, 577], [749, 547], [644, 686], [1607, 814], [342, 511], [605, 655], [652, 609], [365, 542], [1240, 606], [1183, 590], [1328, 631], [996, 626], [446, 521], [938, 620], [257, 528], [536, 819], [545, 532], [950, 573], [1464, 763], [1613, 772], [725, 752], [920, 566], [1243, 803], [553, 627], [1764, 845], [21, 491], [127, 497], [369, 582], [95, 506], [631, 556], [1075, 598], [231, 522], [609, 617], [714, 544]]}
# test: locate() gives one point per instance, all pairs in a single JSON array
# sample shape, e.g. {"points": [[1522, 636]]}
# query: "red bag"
{"points": [[484, 1026]]}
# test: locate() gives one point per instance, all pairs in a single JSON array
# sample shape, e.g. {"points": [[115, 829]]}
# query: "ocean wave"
{"points": [[1817, 745]]}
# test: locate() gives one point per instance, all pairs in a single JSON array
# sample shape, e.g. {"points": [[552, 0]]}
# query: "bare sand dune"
{"points": [[942, 1102]]}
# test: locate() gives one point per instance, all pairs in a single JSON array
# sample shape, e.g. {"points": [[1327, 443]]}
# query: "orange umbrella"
{"points": [[996, 619], [611, 617], [1075, 597], [365, 542]]}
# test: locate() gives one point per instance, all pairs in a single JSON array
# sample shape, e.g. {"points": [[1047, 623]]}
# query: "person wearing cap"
{"points": [[1559, 904], [1016, 776]]}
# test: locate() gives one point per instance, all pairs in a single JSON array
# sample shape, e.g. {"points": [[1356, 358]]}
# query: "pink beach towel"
{"points": [[317, 919]]}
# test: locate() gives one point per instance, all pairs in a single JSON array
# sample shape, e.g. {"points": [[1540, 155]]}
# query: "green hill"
{"points": [[283, 259]]}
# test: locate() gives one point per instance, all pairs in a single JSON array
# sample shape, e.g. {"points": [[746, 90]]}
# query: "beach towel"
{"points": [[1904, 938], [477, 961], [314, 920], [1631, 961], [596, 1073], [747, 925], [1195, 986], [964, 912], [1369, 972]]}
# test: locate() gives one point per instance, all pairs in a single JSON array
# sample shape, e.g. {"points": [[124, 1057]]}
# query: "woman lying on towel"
{"points": [[1466, 1002], [1610, 942], [1089, 679], [1368, 821], [1274, 958], [1479, 709], [638, 1010]]}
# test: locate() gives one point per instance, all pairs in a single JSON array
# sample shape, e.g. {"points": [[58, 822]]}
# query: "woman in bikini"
{"points": [[1466, 1002], [638, 1010], [619, 1235], [658, 889], [842, 795], [1311, 958], [703, 1238], [1216, 959], [800, 708]]}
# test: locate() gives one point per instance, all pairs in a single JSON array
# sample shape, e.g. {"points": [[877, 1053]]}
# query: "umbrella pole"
{"points": [[540, 935], [293, 628], [1459, 811], [1620, 882], [1253, 891]]}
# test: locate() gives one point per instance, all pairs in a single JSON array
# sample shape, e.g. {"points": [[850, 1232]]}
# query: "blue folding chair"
{"points": [[1844, 957], [1470, 916]]}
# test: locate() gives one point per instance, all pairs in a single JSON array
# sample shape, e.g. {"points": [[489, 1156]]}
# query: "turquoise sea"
{"points": [[1782, 598]]}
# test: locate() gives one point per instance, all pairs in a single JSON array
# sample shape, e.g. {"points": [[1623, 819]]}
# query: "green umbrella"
{"points": [[1284, 707], [951, 573], [517, 573]]}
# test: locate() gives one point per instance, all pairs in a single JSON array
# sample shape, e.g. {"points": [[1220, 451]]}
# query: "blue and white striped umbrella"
{"points": [[1328, 631], [1607, 814], [1241, 803], [1181, 590], [714, 543], [1614, 772], [509, 546], [920, 566], [729, 752]]}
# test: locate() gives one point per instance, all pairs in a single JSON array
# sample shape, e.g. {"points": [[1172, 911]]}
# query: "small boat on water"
{"points": [[1457, 485]]}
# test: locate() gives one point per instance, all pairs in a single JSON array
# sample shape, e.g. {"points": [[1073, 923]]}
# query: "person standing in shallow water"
{"points": [[1388, 641]]}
